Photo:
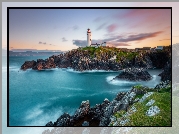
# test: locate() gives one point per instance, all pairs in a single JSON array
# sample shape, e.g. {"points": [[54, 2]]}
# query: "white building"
{"points": [[103, 44], [89, 40], [159, 48], [88, 37]]}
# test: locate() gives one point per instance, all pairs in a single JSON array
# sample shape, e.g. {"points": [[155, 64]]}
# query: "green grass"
{"points": [[119, 114], [162, 130], [110, 50], [139, 118], [126, 55], [138, 96], [163, 101], [138, 86], [165, 90]]}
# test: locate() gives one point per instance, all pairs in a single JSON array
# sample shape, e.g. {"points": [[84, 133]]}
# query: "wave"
{"points": [[110, 80], [14, 68], [154, 77], [65, 96], [35, 112], [38, 117], [51, 69], [151, 83], [88, 71], [113, 92], [71, 88]]}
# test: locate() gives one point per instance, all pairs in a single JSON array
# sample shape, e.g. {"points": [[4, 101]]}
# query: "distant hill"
{"points": [[34, 50]]}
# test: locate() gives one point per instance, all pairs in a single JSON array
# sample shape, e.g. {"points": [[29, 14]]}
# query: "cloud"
{"points": [[111, 27], [164, 39], [75, 27], [80, 43], [101, 26], [64, 40], [139, 37], [98, 19], [142, 17], [119, 40], [117, 44], [110, 42], [40, 42]]}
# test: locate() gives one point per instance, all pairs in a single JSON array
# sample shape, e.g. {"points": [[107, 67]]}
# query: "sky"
{"points": [[30, 130], [66, 29]]}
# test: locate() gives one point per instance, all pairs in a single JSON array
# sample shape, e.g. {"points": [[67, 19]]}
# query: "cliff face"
{"points": [[100, 59], [167, 71], [160, 58]]}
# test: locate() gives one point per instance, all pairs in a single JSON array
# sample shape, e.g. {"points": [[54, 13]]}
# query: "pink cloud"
{"points": [[117, 44], [111, 27], [145, 17], [139, 37]]}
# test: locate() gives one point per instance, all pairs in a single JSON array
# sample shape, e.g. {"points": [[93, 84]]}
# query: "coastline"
{"points": [[103, 114], [80, 61]]}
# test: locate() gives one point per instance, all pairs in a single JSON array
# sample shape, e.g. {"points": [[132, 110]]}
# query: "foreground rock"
{"points": [[100, 114], [167, 72], [134, 74]]}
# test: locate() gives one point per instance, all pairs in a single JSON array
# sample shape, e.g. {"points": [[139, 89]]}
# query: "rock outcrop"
{"points": [[167, 72], [28, 64], [102, 114], [134, 74], [81, 60]]}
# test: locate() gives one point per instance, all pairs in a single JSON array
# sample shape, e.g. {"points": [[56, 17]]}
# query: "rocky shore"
{"points": [[100, 59], [134, 65], [102, 114]]}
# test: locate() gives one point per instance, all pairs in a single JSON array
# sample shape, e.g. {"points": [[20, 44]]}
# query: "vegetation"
{"points": [[163, 101], [138, 86], [120, 55], [126, 55], [139, 118]]}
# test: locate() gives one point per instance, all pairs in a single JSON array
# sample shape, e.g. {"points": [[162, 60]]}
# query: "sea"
{"points": [[37, 97]]}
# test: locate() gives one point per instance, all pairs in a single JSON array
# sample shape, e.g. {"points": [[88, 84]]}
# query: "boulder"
{"points": [[134, 74], [28, 64]]}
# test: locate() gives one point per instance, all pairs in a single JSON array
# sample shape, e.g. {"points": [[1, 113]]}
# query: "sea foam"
{"points": [[112, 81]]}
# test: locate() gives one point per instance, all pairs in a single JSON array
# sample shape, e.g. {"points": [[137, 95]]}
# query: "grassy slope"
{"points": [[119, 54], [163, 101], [139, 118]]}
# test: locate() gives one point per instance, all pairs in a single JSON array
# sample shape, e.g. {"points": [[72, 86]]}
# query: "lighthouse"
{"points": [[88, 37]]}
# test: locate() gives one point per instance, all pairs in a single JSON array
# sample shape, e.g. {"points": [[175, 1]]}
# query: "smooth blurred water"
{"points": [[37, 97]]}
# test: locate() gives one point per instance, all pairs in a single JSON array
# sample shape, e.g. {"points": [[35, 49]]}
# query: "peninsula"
{"points": [[134, 66]]}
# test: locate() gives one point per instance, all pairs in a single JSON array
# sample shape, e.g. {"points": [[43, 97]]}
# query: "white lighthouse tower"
{"points": [[88, 37]]}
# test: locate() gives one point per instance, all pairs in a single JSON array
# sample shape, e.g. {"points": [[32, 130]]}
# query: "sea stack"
{"points": [[134, 74]]}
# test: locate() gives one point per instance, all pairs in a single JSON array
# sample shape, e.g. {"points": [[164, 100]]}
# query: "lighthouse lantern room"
{"points": [[88, 37]]}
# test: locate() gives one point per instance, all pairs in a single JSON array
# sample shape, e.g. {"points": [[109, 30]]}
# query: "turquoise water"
{"points": [[37, 97]]}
